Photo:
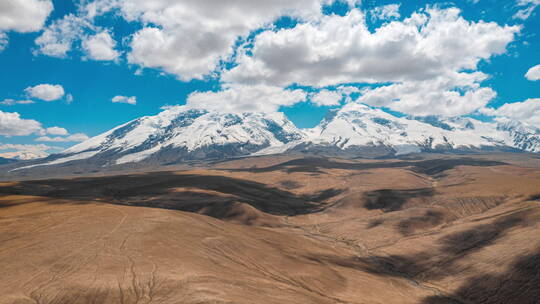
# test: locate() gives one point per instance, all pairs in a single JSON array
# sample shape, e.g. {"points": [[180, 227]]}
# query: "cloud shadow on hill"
{"points": [[432, 167], [185, 192], [519, 284], [389, 200], [446, 261]]}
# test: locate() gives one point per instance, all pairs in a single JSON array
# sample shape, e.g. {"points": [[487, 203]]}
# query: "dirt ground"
{"points": [[440, 229]]}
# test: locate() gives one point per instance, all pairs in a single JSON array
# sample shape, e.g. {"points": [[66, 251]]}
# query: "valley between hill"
{"points": [[279, 229]]}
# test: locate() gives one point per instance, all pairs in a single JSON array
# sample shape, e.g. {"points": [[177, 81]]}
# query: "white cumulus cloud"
{"points": [[527, 111], [533, 73], [125, 99], [10, 102], [189, 38], [427, 63], [24, 15], [385, 12], [78, 137], [92, 9], [342, 50], [47, 92], [326, 98], [11, 124], [527, 8], [100, 47], [4, 41], [186, 38], [69, 98], [422, 57], [58, 38], [240, 98], [57, 131], [446, 96]]}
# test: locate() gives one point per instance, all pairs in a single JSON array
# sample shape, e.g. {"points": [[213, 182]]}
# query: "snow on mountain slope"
{"points": [[24, 155], [61, 160], [181, 134], [520, 136], [359, 125], [184, 133], [503, 132]]}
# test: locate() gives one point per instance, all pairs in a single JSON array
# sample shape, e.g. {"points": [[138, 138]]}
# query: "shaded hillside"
{"points": [[278, 230]]}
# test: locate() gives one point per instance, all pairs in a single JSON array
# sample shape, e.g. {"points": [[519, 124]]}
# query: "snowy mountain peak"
{"points": [[182, 133], [357, 125]]}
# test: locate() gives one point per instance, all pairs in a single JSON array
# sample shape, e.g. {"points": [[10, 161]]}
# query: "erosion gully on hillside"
{"points": [[279, 230]]}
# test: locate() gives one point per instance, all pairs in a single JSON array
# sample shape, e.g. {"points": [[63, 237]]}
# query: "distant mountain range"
{"points": [[181, 134], [4, 160], [357, 126]]}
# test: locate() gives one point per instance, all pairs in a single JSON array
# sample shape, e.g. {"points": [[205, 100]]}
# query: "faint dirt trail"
{"points": [[83, 248], [362, 251], [245, 262]]}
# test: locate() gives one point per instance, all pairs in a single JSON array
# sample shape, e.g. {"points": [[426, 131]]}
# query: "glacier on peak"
{"points": [[182, 133]]}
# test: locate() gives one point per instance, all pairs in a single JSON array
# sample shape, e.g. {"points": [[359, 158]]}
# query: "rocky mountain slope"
{"points": [[4, 161], [357, 125], [181, 134]]}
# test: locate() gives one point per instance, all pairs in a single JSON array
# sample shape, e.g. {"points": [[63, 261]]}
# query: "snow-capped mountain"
{"points": [[192, 134], [183, 134], [356, 125], [522, 137], [24, 155]]}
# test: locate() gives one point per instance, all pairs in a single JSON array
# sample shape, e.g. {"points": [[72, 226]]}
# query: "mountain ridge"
{"points": [[181, 133]]}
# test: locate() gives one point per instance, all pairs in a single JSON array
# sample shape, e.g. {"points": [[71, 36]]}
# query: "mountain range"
{"points": [[4, 160], [181, 133]]}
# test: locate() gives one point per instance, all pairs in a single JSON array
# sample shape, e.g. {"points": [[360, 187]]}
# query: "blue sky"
{"points": [[161, 56]]}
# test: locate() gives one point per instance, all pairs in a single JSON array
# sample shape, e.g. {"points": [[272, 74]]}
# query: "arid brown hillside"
{"points": [[444, 229]]}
